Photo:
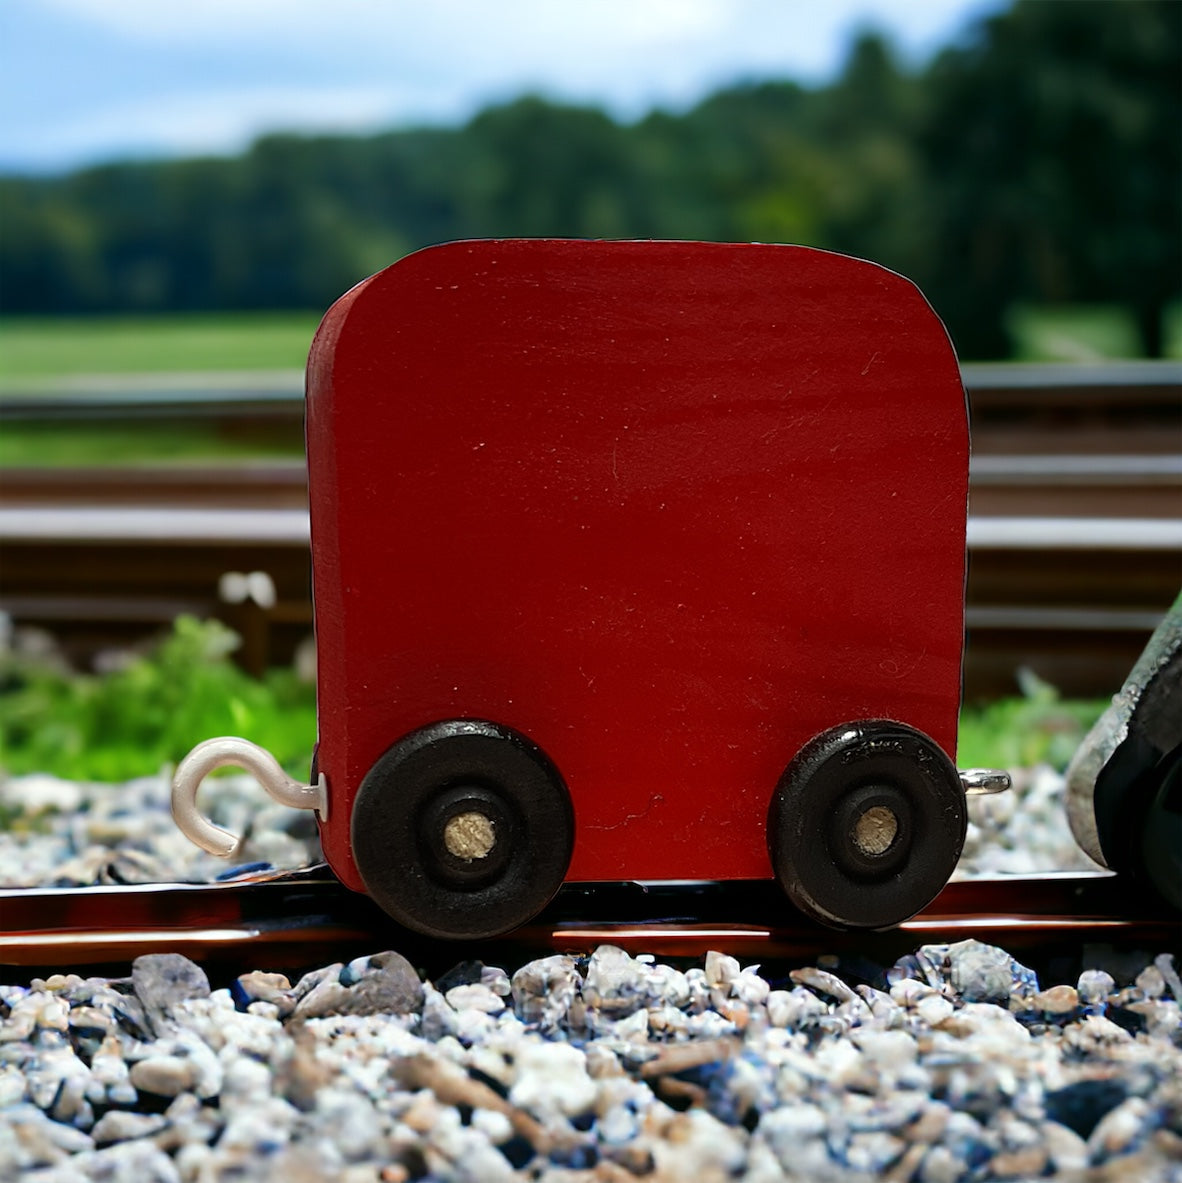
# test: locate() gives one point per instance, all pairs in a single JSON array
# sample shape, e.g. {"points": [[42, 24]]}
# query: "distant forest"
{"points": [[1037, 160]]}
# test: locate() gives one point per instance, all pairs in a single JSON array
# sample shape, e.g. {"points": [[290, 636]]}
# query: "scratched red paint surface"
{"points": [[669, 509]]}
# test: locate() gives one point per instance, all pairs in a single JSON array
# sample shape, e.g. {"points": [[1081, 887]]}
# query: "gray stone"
{"points": [[1164, 963], [272, 988], [980, 972], [1094, 987], [313, 978], [131, 1016], [614, 982], [543, 990], [161, 981], [383, 984]]}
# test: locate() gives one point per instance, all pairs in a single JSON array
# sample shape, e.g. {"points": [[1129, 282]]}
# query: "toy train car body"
{"points": [[637, 560]]}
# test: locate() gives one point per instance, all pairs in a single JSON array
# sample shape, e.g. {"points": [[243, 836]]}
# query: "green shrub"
{"points": [[148, 713], [1038, 728]]}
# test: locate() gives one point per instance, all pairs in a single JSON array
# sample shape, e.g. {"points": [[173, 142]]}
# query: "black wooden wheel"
{"points": [[462, 829], [866, 824]]}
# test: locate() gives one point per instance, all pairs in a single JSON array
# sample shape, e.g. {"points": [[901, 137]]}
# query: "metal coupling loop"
{"points": [[240, 753]]}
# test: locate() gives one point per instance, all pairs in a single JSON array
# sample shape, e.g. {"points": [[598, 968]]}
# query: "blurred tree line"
{"points": [[1037, 160]]}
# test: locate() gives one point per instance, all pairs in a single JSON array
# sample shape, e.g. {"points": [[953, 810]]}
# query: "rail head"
{"points": [[280, 393]]}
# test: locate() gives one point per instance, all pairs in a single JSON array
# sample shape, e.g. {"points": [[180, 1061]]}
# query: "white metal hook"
{"points": [[241, 753], [983, 782]]}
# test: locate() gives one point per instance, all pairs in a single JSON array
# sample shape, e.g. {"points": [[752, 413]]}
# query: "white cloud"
{"points": [[206, 75], [222, 120], [516, 31]]}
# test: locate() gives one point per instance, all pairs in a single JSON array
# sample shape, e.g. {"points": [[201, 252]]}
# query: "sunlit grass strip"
{"points": [[41, 348], [121, 444]]}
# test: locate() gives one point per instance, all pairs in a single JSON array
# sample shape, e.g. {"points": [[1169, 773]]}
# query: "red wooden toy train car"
{"points": [[633, 560]]}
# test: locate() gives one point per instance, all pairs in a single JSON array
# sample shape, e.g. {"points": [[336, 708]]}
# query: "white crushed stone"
{"points": [[916, 1084], [72, 834], [958, 1066], [101, 833]]}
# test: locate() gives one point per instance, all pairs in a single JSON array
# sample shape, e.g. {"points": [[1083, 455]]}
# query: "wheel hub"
{"points": [[875, 830], [871, 831], [470, 835]]}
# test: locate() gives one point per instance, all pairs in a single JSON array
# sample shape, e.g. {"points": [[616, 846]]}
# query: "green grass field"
{"points": [[43, 355], [36, 351], [39, 350], [1084, 333]]}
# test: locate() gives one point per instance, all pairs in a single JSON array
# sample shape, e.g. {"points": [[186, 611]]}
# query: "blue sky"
{"points": [[89, 80]]}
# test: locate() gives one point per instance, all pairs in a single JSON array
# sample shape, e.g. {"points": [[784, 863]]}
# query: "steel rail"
{"points": [[1073, 556], [302, 918], [1072, 598], [1044, 468], [1029, 484], [282, 527], [1058, 469], [275, 393]]}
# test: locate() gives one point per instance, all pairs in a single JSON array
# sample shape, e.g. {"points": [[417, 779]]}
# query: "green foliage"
{"points": [[1053, 156], [151, 711], [1038, 728], [148, 713], [1035, 161], [1080, 334]]}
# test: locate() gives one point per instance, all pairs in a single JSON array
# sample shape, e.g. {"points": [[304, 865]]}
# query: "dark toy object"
{"points": [[1124, 786]]}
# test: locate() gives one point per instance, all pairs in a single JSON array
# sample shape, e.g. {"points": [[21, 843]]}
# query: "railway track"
{"points": [[1074, 599], [966, 989], [1111, 397], [1075, 534], [299, 918], [1038, 485]]}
